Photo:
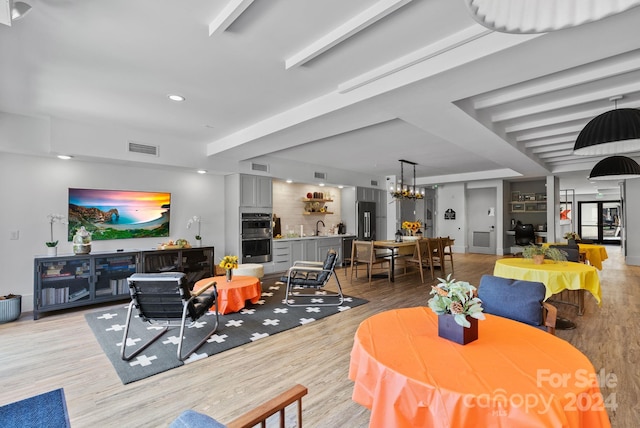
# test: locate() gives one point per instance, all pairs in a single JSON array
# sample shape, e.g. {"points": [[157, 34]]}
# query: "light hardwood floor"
{"points": [[59, 350]]}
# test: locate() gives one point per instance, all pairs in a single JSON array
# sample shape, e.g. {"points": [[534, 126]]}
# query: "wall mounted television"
{"points": [[119, 214]]}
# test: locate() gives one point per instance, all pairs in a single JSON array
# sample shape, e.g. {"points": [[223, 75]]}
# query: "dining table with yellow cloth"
{"points": [[594, 253], [556, 276], [512, 375]]}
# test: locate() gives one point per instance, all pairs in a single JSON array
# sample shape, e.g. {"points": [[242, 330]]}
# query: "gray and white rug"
{"points": [[255, 322]]}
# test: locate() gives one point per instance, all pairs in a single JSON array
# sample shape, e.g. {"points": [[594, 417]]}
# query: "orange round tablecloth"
{"points": [[232, 296], [513, 375]]}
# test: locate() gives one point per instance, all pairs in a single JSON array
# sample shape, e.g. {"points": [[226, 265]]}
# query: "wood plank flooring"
{"points": [[59, 350]]}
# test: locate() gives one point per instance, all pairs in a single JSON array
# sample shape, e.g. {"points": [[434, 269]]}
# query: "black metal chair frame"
{"points": [[164, 299], [308, 274]]}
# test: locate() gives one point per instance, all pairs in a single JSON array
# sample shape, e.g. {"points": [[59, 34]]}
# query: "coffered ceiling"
{"points": [[337, 86]]}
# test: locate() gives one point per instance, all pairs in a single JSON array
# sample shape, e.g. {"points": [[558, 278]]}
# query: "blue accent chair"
{"points": [[518, 300]]}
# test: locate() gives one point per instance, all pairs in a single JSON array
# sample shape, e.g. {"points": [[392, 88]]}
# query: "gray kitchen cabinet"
{"points": [[326, 244], [255, 191]]}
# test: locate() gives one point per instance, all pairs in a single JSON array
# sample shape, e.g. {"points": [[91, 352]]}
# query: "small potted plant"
{"points": [[192, 220], [52, 249], [539, 253], [571, 237], [10, 307], [456, 304]]}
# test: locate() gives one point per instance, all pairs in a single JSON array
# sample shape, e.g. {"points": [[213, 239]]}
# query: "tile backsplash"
{"points": [[288, 205]]}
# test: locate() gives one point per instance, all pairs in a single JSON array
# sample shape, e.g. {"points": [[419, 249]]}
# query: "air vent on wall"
{"points": [[259, 167], [145, 149], [320, 175], [374, 183]]}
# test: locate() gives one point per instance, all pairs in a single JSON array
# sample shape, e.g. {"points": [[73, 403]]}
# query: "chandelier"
{"points": [[403, 191]]}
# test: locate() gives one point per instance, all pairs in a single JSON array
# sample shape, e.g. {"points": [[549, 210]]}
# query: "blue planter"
{"points": [[10, 309]]}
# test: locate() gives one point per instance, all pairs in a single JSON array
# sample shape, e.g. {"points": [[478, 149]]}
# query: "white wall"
{"points": [[33, 187], [632, 221], [452, 195]]}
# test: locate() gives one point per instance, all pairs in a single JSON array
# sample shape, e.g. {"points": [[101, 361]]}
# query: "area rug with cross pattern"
{"points": [[269, 316]]}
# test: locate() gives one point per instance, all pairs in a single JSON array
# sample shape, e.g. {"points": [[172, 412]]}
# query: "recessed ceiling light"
{"points": [[341, 187], [65, 157], [176, 97], [202, 171], [321, 184], [289, 181]]}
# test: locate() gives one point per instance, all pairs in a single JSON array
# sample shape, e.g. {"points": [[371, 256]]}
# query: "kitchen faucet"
{"points": [[317, 228]]}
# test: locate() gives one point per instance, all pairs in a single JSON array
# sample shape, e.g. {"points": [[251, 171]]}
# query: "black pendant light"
{"points": [[615, 168], [613, 132]]}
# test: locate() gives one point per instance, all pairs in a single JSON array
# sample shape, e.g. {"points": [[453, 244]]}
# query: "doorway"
{"points": [[600, 221], [481, 206]]}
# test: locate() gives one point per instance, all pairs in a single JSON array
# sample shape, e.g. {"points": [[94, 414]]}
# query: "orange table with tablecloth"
{"points": [[513, 375], [232, 296], [594, 253], [556, 276]]}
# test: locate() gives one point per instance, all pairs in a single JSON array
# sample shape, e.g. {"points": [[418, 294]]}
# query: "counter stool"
{"points": [[250, 269]]}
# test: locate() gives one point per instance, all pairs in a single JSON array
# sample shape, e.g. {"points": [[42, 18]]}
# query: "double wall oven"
{"points": [[256, 237]]}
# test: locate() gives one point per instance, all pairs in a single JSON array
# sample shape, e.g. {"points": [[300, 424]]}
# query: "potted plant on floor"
{"points": [[10, 307], [539, 253]]}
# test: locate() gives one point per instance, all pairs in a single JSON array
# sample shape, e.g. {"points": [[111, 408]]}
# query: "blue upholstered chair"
{"points": [[255, 416], [518, 300]]}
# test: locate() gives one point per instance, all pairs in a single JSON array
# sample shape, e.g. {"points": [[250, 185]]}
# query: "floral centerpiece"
{"points": [[458, 298], [571, 236], [412, 226], [228, 263]]}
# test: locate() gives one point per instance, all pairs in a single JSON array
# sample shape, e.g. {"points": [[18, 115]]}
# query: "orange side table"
{"points": [[232, 296]]}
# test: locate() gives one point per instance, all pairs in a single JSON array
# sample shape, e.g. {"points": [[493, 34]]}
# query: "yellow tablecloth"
{"points": [[555, 276], [595, 253]]}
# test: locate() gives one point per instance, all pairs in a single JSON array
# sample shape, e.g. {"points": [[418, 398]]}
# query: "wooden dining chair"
{"points": [[364, 254], [435, 256], [421, 257], [447, 250]]}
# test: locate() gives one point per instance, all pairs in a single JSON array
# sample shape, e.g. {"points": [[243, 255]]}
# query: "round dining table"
{"points": [[512, 375], [556, 276], [594, 253], [233, 295]]}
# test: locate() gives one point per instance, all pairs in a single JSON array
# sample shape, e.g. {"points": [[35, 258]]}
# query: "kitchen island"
{"points": [[309, 248]]}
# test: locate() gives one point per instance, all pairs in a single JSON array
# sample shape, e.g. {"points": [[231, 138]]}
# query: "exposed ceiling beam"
{"points": [[230, 13], [551, 84], [344, 31]]}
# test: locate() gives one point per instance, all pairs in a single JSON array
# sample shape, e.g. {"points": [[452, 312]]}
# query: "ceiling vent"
{"points": [[259, 167], [144, 149], [320, 175], [374, 183]]}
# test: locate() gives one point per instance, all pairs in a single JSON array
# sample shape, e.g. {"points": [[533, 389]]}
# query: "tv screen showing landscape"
{"points": [[119, 214]]}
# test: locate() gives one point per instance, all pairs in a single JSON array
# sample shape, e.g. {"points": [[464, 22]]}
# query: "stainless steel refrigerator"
{"points": [[366, 220]]}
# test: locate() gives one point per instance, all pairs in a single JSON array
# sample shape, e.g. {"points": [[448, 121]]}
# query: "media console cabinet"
{"points": [[70, 281]]}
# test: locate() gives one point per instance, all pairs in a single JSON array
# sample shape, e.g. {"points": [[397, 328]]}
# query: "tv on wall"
{"points": [[119, 214]]}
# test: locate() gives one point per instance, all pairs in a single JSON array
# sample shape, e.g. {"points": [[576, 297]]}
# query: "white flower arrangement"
{"points": [[192, 220]]}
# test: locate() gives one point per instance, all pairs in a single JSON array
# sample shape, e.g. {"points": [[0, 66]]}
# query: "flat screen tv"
{"points": [[119, 214]]}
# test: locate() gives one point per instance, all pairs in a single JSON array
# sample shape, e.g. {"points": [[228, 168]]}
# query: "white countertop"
{"points": [[313, 237]]}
